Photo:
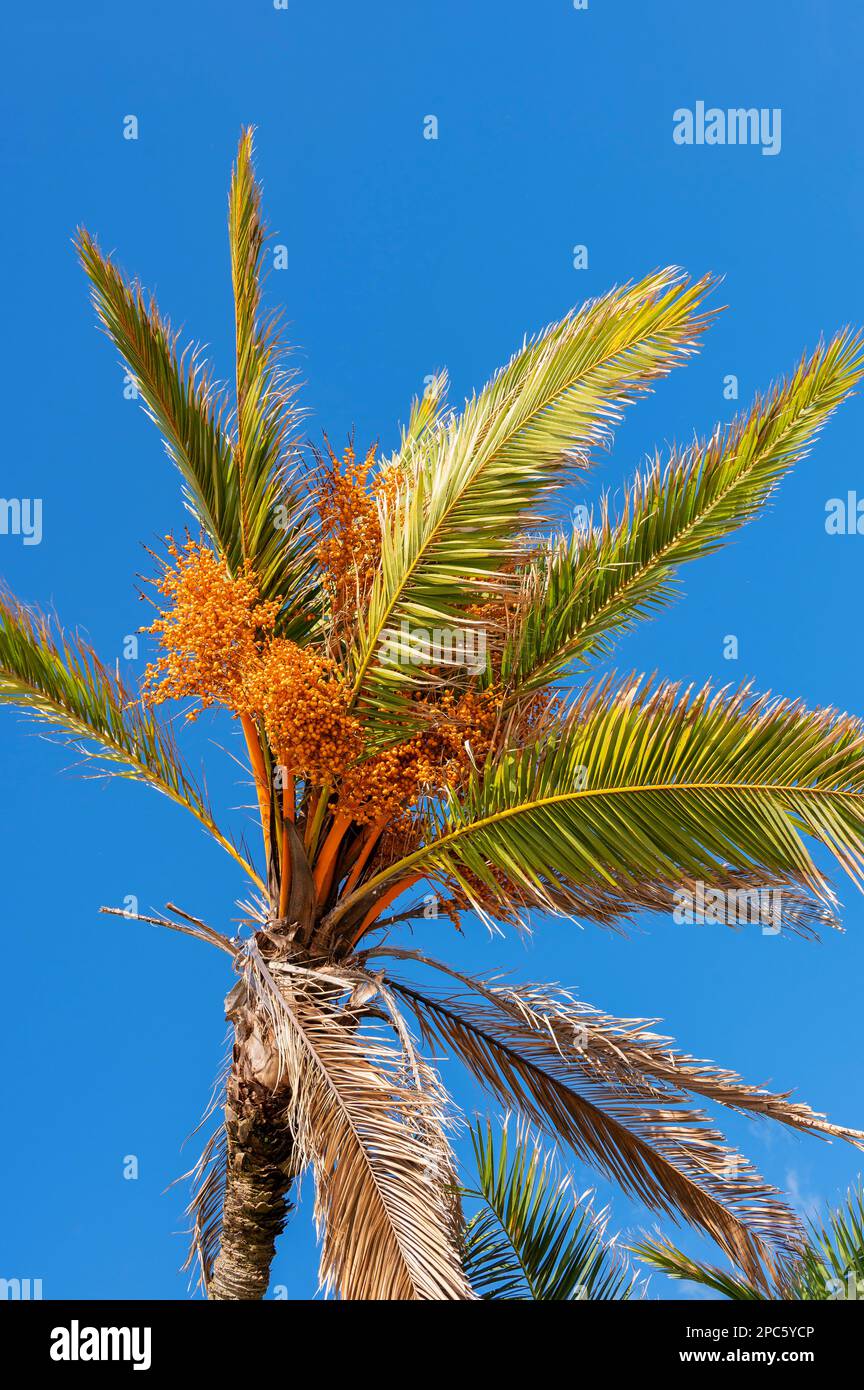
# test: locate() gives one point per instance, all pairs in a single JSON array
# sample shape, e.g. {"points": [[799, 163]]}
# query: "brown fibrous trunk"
{"points": [[261, 1166]]}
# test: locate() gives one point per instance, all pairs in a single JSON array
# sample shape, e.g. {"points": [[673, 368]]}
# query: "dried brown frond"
{"points": [[374, 1137], [638, 1133]]}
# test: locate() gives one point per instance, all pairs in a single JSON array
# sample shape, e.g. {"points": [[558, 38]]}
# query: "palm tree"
{"points": [[829, 1265], [408, 657]]}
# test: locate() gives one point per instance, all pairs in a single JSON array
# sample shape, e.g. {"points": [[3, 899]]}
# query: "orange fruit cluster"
{"points": [[304, 705], [350, 528], [210, 630], [219, 647], [347, 497], [460, 729]]}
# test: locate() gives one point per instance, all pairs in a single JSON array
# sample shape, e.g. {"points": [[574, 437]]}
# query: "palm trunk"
{"points": [[261, 1165]]}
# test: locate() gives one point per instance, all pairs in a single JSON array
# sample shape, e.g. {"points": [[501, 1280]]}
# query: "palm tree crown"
{"points": [[408, 652]]}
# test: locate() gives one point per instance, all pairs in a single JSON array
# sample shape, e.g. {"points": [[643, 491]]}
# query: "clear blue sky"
{"points": [[404, 254]]}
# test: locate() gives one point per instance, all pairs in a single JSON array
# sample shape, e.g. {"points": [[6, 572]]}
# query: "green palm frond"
{"points": [[59, 680], [667, 1259], [832, 1265], [483, 476], [829, 1267], [646, 783], [424, 418], [235, 461], [179, 393], [275, 536], [589, 587], [533, 1237]]}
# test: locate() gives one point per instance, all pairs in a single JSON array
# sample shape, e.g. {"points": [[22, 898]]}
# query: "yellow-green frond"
{"points": [[647, 783], [60, 681], [483, 478], [587, 588]]}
